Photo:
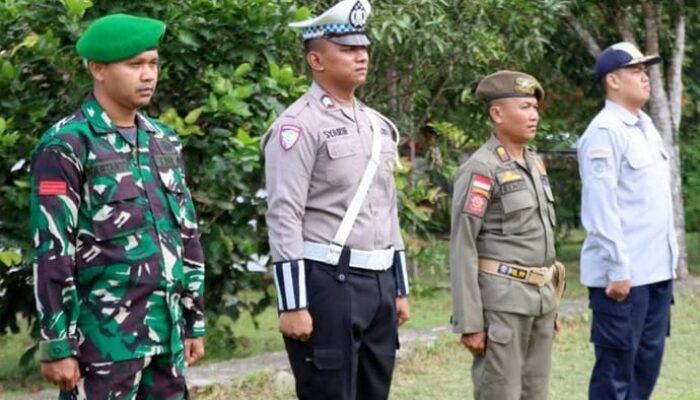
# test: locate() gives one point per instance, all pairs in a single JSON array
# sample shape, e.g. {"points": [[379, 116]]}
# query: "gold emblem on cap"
{"points": [[525, 86]]}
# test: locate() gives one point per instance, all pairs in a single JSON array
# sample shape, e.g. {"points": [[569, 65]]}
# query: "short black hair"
{"points": [[311, 45]]}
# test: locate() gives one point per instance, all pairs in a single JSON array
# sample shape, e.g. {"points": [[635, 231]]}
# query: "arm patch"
{"points": [[478, 195]]}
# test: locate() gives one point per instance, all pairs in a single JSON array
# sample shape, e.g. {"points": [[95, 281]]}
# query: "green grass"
{"points": [[12, 377], [442, 370], [431, 305]]}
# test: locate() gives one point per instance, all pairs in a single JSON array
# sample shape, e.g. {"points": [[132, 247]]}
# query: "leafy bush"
{"points": [[225, 76]]}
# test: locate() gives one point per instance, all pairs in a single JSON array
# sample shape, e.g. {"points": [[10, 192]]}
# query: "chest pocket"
{"points": [[639, 158], [388, 161], [173, 180], [345, 163], [550, 203], [638, 171], [639, 152], [518, 209], [115, 209]]}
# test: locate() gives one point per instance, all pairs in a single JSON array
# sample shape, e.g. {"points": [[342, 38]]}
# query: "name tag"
{"points": [[167, 161], [335, 132], [109, 167]]}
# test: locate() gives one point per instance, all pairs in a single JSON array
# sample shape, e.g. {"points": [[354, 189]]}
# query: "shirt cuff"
{"points": [[619, 273], [465, 326], [57, 349], [195, 328], [290, 281], [401, 273]]}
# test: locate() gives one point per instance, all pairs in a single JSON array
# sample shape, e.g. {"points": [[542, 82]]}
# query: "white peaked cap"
{"points": [[344, 23]]}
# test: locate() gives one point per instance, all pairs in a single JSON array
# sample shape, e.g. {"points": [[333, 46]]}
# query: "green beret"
{"points": [[118, 37], [504, 84]]}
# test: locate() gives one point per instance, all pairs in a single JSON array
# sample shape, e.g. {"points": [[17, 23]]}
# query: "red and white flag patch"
{"points": [[53, 188], [289, 136], [478, 195]]}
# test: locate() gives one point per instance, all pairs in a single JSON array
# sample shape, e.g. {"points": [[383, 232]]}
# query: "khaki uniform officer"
{"points": [[502, 248], [339, 263]]}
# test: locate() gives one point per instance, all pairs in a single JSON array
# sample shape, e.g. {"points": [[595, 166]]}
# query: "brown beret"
{"points": [[504, 84]]}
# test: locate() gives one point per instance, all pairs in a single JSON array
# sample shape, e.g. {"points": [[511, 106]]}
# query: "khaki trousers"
{"points": [[518, 357]]}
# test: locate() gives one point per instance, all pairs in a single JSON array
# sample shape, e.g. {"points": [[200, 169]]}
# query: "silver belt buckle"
{"points": [[333, 255]]}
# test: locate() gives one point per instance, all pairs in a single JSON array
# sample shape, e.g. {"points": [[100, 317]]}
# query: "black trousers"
{"points": [[351, 352], [629, 338]]}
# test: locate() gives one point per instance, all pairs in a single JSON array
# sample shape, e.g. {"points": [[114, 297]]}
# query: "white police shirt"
{"points": [[626, 205]]}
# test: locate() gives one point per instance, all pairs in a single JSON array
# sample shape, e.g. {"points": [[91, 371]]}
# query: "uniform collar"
{"points": [[100, 121], [622, 113], [325, 101], [499, 151]]}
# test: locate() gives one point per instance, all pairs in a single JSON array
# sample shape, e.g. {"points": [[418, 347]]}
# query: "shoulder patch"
{"points": [[502, 154], [599, 152], [599, 168], [289, 135], [478, 195], [53, 188]]}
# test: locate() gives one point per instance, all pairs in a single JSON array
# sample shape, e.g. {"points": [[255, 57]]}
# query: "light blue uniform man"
{"points": [[630, 253]]}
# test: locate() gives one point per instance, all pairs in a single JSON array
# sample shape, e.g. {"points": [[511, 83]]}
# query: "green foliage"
{"points": [[225, 75], [229, 67], [690, 160]]}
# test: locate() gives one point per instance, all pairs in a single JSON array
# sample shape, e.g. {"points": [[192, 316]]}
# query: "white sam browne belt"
{"points": [[374, 260], [290, 276]]}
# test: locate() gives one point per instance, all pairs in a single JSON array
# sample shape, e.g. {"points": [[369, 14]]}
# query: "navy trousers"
{"points": [[629, 339], [351, 352]]}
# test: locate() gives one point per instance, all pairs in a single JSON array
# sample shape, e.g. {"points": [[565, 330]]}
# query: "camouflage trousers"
{"points": [[158, 377]]}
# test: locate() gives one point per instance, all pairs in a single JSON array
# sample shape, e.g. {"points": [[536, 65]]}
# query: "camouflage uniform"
{"points": [[119, 270]]}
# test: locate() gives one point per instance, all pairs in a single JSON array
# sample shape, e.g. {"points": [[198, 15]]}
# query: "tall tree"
{"points": [[661, 27]]}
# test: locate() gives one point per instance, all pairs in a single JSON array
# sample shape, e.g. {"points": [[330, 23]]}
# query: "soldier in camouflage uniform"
{"points": [[119, 270]]}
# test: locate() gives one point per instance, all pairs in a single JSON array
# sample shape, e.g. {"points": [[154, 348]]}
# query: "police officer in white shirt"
{"points": [[332, 215], [630, 253]]}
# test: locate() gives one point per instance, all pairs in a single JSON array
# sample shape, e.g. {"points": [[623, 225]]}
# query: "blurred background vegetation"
{"points": [[229, 67]]}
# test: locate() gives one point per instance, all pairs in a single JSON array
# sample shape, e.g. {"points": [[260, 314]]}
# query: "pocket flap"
{"points": [[500, 333], [170, 181], [341, 149], [639, 160], [388, 146], [515, 201], [106, 189], [548, 193], [329, 359]]}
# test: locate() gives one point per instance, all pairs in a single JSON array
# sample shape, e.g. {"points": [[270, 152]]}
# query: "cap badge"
{"points": [[524, 86], [358, 16]]}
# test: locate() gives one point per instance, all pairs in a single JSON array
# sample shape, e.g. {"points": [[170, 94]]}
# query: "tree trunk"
{"points": [[413, 266], [664, 108], [660, 111]]}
